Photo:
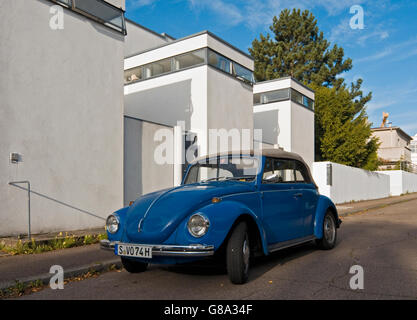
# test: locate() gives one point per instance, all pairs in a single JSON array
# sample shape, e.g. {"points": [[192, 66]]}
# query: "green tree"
{"points": [[343, 135], [299, 49]]}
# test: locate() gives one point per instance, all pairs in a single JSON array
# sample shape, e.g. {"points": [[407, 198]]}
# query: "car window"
{"points": [[278, 171], [284, 171], [301, 173]]}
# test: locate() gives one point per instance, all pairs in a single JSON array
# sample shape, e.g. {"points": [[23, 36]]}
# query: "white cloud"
{"points": [[398, 51], [140, 3], [230, 14]]}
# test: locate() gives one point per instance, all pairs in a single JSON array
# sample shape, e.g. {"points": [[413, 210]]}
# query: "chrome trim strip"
{"points": [[289, 243], [168, 250]]}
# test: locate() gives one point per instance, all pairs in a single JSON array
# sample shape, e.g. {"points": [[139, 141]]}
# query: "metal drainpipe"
{"points": [[14, 183]]}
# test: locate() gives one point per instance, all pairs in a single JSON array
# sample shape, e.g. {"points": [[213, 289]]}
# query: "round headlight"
{"points": [[198, 225], [112, 224]]}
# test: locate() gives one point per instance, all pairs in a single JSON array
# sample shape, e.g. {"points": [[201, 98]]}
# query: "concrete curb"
{"points": [[68, 273], [377, 206]]}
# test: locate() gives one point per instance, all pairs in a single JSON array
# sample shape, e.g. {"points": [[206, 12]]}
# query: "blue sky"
{"points": [[384, 52]]}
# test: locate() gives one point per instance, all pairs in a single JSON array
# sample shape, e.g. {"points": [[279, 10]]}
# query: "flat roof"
{"points": [[163, 35], [392, 128], [189, 37], [286, 78]]}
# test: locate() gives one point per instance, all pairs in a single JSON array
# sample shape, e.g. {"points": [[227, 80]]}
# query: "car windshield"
{"points": [[233, 167]]}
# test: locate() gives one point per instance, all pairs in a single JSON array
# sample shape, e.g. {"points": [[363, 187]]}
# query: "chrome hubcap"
{"points": [[246, 253], [329, 229]]}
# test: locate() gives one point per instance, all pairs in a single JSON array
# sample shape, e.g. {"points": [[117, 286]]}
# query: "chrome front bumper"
{"points": [[168, 250]]}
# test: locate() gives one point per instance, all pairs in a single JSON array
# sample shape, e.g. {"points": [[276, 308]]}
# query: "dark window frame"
{"points": [[71, 5]]}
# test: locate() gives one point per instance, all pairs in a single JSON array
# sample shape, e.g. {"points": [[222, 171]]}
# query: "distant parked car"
{"points": [[235, 204]]}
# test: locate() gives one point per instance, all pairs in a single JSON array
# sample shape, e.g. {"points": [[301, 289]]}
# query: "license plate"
{"points": [[131, 250]]}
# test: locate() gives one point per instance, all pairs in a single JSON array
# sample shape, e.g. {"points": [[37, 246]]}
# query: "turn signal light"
{"points": [[216, 200]]}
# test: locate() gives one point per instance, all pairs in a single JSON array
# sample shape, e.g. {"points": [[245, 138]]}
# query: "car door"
{"points": [[308, 200], [282, 218]]}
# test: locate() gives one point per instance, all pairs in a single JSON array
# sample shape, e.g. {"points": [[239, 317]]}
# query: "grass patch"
{"points": [[60, 242], [20, 289]]}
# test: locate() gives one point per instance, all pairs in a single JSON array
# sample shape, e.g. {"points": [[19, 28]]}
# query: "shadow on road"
{"points": [[259, 265]]}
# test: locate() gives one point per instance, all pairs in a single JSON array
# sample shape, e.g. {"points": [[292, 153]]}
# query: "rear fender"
{"points": [[324, 204]]}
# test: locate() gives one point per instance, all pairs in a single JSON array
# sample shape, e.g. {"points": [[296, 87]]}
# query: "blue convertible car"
{"points": [[234, 205]]}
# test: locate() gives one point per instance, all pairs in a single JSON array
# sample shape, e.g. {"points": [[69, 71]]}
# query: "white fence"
{"points": [[401, 181], [345, 184]]}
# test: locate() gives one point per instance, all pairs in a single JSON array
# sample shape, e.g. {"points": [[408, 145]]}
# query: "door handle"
{"points": [[298, 195]]}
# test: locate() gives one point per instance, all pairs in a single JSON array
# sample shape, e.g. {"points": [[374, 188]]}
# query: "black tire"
{"points": [[329, 232], [132, 266], [236, 260]]}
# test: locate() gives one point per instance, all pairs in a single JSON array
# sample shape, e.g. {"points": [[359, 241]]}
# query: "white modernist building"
{"points": [[193, 86], [284, 110], [84, 110]]}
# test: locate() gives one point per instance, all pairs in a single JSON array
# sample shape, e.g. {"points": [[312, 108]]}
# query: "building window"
{"points": [[187, 60], [271, 96], [218, 61], [242, 73], [413, 146], [98, 10], [302, 99], [157, 68], [283, 95]]}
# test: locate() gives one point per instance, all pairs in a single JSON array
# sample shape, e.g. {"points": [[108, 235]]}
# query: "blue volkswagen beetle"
{"points": [[236, 205]]}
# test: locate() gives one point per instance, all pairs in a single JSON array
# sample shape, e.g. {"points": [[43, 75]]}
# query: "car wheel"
{"points": [[329, 232], [238, 254], [134, 266]]}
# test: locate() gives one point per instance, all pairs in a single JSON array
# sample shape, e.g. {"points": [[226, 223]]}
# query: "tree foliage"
{"points": [[343, 135], [299, 49]]}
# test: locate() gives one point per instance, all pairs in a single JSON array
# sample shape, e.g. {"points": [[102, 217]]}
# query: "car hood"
{"points": [[161, 212]]}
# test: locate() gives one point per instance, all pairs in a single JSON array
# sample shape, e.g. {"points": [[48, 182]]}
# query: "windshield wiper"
{"points": [[228, 178], [239, 178], [211, 179]]}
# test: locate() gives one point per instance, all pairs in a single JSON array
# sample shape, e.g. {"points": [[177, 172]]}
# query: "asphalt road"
{"points": [[383, 242]]}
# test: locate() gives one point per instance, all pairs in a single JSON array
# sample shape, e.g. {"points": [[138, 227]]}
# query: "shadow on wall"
{"points": [[164, 105]]}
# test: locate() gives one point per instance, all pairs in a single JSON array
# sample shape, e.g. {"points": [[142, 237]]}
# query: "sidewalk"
{"points": [[355, 207]]}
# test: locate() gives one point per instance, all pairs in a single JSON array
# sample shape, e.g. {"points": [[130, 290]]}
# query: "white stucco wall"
{"points": [[61, 107], [350, 184], [302, 132], [229, 106], [167, 99], [289, 125], [401, 181], [139, 39]]}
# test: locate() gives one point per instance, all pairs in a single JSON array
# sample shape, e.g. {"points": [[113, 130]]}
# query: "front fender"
{"points": [[222, 217], [323, 204]]}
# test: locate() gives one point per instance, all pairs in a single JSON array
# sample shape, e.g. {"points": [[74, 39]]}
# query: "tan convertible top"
{"points": [[273, 153]]}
